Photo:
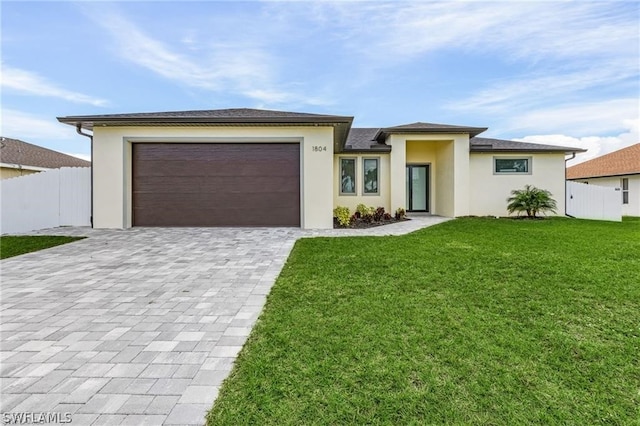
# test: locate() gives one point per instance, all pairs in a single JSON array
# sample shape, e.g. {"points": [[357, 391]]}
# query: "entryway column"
{"points": [[398, 163]]}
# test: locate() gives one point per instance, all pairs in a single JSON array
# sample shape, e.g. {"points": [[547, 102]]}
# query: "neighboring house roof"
{"points": [[625, 161], [20, 153], [500, 145], [237, 116], [420, 127]]}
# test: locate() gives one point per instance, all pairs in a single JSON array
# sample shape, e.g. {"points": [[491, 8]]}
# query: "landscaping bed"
{"points": [[365, 217]]}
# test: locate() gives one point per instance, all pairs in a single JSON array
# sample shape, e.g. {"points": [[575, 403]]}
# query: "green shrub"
{"points": [[400, 213], [530, 200], [342, 215], [363, 210]]}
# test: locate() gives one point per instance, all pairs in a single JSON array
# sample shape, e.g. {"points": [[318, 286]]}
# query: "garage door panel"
{"points": [[191, 201], [211, 185], [183, 200], [216, 184], [216, 168], [279, 216]]}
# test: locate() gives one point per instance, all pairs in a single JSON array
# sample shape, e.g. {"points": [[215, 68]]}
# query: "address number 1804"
{"points": [[318, 148]]}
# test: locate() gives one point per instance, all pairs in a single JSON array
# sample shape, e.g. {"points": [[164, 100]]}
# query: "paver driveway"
{"points": [[133, 327], [138, 326]]}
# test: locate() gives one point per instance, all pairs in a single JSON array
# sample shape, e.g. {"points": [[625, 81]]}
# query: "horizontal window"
{"points": [[521, 165]]}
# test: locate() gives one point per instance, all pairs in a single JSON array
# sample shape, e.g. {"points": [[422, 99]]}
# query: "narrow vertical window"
{"points": [[370, 169], [347, 176], [625, 190]]}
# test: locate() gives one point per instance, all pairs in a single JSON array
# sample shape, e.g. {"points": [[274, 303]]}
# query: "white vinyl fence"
{"points": [[593, 202], [57, 197]]}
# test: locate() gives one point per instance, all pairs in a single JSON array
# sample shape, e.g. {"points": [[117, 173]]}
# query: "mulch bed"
{"points": [[361, 224]]}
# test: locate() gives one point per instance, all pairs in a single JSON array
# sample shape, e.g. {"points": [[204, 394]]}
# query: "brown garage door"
{"points": [[216, 184]]}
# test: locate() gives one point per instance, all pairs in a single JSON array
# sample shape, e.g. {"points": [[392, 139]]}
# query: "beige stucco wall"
{"points": [[7, 172], [382, 199], [448, 155], [490, 191], [112, 165], [426, 152], [631, 209]]}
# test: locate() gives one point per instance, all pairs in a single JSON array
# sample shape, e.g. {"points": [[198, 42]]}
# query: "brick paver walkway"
{"points": [[137, 326]]}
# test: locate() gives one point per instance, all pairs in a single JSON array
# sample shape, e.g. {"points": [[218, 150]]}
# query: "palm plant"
{"points": [[530, 200]]}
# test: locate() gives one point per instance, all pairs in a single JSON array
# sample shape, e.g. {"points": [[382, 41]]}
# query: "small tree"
{"points": [[531, 200]]}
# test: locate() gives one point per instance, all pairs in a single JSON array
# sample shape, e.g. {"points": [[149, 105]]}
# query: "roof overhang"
{"points": [[483, 149], [340, 124], [471, 131], [383, 149], [604, 176], [23, 167]]}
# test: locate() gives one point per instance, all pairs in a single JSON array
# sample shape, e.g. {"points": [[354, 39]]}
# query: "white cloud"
{"points": [[563, 50], [530, 90], [25, 126], [579, 119], [30, 83], [596, 145], [517, 30], [240, 68]]}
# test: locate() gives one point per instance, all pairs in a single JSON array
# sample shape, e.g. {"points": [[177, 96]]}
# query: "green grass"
{"points": [[16, 245], [474, 321]]}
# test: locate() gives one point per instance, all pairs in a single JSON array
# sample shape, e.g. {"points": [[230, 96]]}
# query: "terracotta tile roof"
{"points": [[14, 151], [625, 161]]}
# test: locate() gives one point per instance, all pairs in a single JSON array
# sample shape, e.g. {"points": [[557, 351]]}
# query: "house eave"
{"points": [[605, 176], [471, 131], [23, 167], [341, 125], [530, 151], [381, 150]]}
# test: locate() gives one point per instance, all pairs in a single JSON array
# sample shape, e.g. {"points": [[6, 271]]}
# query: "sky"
{"points": [[562, 73]]}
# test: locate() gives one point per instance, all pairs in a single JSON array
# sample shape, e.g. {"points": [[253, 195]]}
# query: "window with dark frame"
{"points": [[347, 176], [512, 165], [370, 169], [625, 190]]}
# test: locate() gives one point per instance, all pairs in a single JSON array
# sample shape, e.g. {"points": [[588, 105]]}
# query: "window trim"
{"points": [[364, 191], [513, 157], [355, 177], [625, 191]]}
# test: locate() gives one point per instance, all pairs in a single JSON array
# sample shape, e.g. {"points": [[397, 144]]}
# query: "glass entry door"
{"points": [[418, 188]]}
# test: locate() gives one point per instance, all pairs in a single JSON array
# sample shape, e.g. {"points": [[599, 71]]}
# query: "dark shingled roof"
{"points": [[15, 151], [362, 139], [421, 127], [213, 116], [230, 116], [500, 145]]}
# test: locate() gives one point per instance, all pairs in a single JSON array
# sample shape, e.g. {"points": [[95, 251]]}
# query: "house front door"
{"points": [[418, 188]]}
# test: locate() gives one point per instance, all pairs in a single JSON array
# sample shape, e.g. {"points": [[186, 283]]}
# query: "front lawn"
{"points": [[15, 245], [474, 321]]}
